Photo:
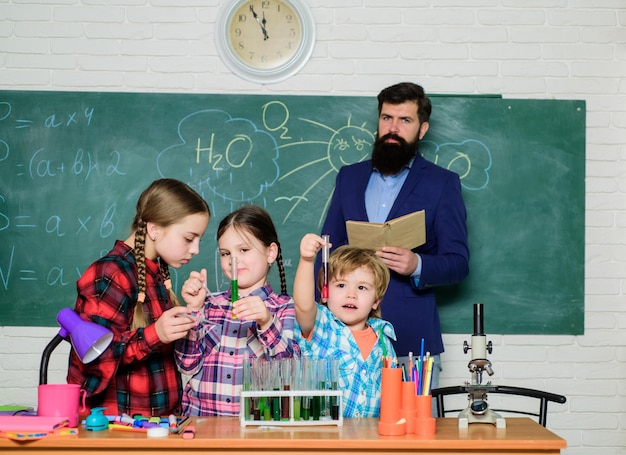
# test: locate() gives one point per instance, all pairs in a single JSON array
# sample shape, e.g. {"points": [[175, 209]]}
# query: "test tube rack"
{"points": [[292, 394]]}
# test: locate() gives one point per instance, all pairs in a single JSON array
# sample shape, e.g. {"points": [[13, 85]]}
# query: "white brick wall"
{"points": [[566, 49]]}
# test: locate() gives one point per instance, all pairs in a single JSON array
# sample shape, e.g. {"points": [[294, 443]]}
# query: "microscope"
{"points": [[478, 410]]}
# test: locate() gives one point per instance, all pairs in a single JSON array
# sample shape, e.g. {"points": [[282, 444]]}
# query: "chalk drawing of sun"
{"points": [[313, 169]]}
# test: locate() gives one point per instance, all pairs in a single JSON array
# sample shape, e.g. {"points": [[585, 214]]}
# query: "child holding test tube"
{"points": [[129, 291], [347, 325], [256, 323]]}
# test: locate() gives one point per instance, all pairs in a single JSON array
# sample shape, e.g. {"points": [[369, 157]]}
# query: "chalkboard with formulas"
{"points": [[72, 165]]}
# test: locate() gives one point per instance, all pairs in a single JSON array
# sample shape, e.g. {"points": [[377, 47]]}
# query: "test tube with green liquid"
{"points": [[275, 374], [296, 381], [247, 403], [234, 285], [266, 405], [262, 381], [323, 380]]}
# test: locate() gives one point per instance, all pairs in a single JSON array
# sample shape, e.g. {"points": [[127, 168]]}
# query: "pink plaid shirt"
{"points": [[213, 352]]}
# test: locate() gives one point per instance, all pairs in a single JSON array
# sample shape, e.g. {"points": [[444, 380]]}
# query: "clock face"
{"points": [[265, 34], [266, 40]]}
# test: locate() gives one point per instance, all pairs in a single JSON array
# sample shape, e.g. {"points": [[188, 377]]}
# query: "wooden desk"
{"points": [[224, 435]]}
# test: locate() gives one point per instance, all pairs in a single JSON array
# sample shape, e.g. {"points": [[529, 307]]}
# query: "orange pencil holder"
{"points": [[391, 422], [425, 423], [408, 408]]}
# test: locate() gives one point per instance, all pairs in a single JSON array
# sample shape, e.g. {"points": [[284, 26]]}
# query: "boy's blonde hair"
{"points": [[347, 259]]}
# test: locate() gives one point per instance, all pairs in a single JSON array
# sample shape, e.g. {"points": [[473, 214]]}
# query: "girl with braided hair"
{"points": [[129, 291], [259, 324]]}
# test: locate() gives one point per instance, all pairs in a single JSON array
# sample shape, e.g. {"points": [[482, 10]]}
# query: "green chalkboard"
{"points": [[72, 165]]}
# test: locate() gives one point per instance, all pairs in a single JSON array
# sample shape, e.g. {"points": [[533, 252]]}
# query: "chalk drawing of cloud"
{"points": [[229, 156], [470, 159]]}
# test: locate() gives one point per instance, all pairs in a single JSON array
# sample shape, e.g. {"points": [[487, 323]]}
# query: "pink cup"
{"points": [[61, 400]]}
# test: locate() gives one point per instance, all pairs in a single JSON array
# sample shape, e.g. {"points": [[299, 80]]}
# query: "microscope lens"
{"points": [[479, 407]]}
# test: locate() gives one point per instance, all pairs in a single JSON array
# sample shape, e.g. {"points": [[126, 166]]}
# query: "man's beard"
{"points": [[390, 158]]}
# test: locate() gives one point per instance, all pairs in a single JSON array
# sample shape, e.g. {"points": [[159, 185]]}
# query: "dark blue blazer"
{"points": [[411, 309]]}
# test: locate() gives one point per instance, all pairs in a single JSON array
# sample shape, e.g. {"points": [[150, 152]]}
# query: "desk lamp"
{"points": [[88, 339], [478, 410]]}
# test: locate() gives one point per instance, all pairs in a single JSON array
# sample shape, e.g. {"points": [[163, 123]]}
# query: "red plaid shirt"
{"points": [[137, 373]]}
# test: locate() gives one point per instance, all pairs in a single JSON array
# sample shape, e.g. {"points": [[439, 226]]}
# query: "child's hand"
{"points": [[195, 291], [252, 308], [174, 324], [310, 245]]}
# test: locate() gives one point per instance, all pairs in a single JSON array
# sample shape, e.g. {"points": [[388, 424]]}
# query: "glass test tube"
{"points": [[255, 372], [234, 285], [247, 402], [325, 251], [306, 381], [267, 385], [296, 381], [275, 373], [285, 380], [316, 402], [334, 401], [323, 383]]}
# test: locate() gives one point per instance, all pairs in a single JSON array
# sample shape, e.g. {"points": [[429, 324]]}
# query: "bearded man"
{"points": [[396, 181]]}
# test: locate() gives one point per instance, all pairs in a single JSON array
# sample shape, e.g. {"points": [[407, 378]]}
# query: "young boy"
{"points": [[347, 327]]}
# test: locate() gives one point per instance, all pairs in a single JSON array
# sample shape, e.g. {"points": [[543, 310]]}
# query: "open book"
{"points": [[408, 231]]}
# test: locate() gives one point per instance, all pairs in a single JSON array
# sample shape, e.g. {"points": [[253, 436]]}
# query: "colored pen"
{"points": [[64, 432], [418, 374], [125, 418], [234, 285], [428, 378], [420, 369], [172, 421], [325, 251], [146, 424], [381, 337], [181, 425], [189, 432], [122, 427]]}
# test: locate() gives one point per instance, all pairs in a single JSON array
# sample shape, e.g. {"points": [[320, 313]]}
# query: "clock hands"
{"points": [[260, 22]]}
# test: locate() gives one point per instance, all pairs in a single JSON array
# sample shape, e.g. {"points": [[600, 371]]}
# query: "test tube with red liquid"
{"points": [[325, 266]]}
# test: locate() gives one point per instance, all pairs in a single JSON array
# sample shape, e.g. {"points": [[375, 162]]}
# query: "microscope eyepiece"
{"points": [[478, 319]]}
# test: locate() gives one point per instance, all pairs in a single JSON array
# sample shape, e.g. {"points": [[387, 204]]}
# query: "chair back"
{"points": [[544, 398]]}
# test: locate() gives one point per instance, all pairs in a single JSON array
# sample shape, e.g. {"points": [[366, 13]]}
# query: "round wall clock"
{"points": [[265, 41]]}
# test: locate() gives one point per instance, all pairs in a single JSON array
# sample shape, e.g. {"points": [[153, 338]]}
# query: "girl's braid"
{"points": [[281, 270], [140, 256]]}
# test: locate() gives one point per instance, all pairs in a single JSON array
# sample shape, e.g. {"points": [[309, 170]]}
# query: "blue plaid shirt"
{"points": [[359, 379]]}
